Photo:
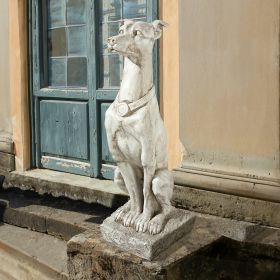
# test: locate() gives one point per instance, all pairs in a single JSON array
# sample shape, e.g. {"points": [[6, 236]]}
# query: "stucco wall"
{"points": [[169, 79], [5, 114], [229, 85]]}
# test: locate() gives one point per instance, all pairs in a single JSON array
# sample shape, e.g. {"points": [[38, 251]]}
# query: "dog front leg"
{"points": [[132, 183], [150, 203]]}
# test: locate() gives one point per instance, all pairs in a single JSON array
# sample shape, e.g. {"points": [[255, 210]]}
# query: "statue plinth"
{"points": [[145, 245], [147, 224]]}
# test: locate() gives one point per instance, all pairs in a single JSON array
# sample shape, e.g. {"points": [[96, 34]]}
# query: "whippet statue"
{"points": [[136, 133]]}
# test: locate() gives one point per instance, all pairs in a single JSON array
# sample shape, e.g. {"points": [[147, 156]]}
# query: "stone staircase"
{"points": [[34, 231], [30, 255], [57, 238]]}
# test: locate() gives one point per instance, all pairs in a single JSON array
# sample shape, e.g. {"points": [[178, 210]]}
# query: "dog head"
{"points": [[136, 39]]}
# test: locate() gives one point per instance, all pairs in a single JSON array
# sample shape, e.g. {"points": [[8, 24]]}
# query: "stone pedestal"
{"points": [[213, 249], [145, 245]]}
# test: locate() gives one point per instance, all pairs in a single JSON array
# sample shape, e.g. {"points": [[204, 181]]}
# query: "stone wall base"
{"points": [[214, 249], [7, 157]]}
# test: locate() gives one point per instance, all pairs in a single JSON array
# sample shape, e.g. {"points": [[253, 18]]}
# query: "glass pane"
{"points": [[77, 72], [57, 42], [107, 30], [110, 10], [110, 71], [77, 41], [76, 11], [57, 72], [56, 13], [134, 8]]}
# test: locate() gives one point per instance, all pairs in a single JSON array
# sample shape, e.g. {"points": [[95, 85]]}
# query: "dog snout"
{"points": [[111, 40]]}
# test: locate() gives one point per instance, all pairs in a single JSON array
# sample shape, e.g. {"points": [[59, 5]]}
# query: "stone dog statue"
{"points": [[136, 133]]}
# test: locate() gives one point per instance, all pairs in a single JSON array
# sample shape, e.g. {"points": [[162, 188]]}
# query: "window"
{"points": [[75, 79]]}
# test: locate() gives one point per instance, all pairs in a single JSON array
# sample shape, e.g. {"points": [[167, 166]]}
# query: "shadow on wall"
{"points": [[227, 259], [19, 199], [2, 177]]}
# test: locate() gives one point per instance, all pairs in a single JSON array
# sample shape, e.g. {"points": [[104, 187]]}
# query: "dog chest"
{"points": [[128, 144]]}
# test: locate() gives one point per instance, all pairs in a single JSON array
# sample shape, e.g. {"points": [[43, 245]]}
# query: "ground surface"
{"points": [[214, 248]]}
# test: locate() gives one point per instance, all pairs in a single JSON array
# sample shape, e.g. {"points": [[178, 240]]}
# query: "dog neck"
{"points": [[137, 80]]}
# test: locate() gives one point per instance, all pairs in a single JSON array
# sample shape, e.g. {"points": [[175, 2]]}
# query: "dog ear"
{"points": [[158, 26], [127, 22]]}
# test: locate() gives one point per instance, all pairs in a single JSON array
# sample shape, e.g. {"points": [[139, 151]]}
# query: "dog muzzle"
{"points": [[123, 109]]}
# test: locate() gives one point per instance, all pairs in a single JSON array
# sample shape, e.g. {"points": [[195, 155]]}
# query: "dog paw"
{"points": [[129, 218], [141, 224], [122, 211], [134, 218], [156, 225]]}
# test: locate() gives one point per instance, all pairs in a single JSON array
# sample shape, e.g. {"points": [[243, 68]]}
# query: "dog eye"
{"points": [[139, 33], [121, 31]]}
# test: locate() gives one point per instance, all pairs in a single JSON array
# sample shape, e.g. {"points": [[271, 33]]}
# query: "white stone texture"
{"points": [[144, 245], [136, 133]]}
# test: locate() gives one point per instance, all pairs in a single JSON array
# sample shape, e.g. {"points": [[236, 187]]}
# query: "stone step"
{"points": [[60, 184], [88, 253], [60, 217], [29, 255]]}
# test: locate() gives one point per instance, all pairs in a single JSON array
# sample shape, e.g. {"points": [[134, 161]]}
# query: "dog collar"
{"points": [[124, 108]]}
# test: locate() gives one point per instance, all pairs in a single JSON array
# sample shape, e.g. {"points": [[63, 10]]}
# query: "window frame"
{"points": [[38, 78]]}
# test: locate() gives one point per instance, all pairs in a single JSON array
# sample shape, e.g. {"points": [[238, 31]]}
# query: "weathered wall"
{"points": [[169, 78], [19, 82], [5, 113], [229, 86]]}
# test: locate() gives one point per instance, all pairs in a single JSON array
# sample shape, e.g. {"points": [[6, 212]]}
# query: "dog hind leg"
{"points": [[162, 186], [151, 205]]}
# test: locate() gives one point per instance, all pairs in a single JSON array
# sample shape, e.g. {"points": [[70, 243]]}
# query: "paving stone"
{"points": [[60, 217], [33, 254], [25, 220]]}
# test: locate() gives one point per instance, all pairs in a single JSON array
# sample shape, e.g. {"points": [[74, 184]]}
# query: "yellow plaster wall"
{"points": [[19, 92], [169, 79], [229, 85], [19, 82], [5, 112]]}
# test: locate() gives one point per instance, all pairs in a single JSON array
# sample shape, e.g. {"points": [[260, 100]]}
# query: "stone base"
{"points": [[145, 245]]}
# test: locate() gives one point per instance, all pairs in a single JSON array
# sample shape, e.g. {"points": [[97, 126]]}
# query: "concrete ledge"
{"points": [[104, 192], [257, 188], [72, 186], [7, 161], [6, 146], [227, 206]]}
